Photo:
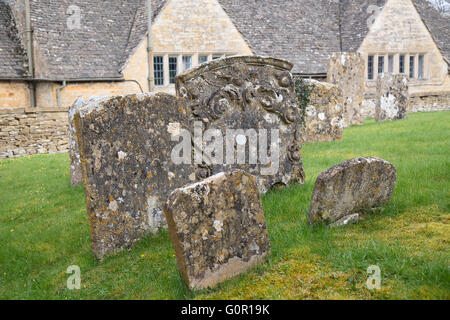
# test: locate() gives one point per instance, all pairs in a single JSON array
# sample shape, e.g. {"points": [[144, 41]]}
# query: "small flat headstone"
{"points": [[353, 186], [217, 228]]}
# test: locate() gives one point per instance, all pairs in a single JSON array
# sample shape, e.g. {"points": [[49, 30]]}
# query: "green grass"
{"points": [[44, 229]]}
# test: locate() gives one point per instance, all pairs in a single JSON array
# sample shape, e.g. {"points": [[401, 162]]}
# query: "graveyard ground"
{"points": [[44, 229]]}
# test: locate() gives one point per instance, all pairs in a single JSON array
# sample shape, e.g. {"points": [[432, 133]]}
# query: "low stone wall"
{"points": [[324, 119], [426, 102], [429, 102], [24, 132]]}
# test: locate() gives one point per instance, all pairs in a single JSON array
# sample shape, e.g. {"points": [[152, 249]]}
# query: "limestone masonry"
{"points": [[217, 228], [351, 187], [24, 134]]}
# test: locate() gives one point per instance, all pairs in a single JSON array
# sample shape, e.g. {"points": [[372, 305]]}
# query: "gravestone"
{"points": [[392, 97], [248, 104], [76, 174], [125, 147], [347, 71], [350, 188], [136, 149], [324, 118], [217, 228]]}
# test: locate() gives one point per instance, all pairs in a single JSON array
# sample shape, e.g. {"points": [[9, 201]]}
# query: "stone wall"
{"points": [[346, 70], [27, 133], [429, 102], [14, 94], [324, 118], [426, 102]]}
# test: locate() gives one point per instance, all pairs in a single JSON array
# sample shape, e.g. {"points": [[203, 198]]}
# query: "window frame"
{"points": [[370, 67], [172, 73], [402, 64], [158, 72], [412, 66], [183, 65], [421, 66]]}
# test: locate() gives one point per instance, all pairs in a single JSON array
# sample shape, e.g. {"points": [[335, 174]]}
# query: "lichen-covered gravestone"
{"points": [[217, 228], [350, 188], [324, 118], [392, 97], [125, 147], [76, 174], [347, 70], [248, 105]]}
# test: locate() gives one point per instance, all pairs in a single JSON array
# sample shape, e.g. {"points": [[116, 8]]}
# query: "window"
{"points": [[202, 59], [158, 70], [187, 63], [370, 68], [391, 63], [380, 64], [216, 57], [173, 66], [401, 65], [421, 66], [411, 66]]}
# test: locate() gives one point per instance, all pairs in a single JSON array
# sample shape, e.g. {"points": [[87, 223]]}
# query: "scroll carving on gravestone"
{"points": [[243, 115]]}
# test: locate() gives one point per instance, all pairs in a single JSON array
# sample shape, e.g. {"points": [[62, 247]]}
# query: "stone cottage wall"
{"points": [[28, 133]]}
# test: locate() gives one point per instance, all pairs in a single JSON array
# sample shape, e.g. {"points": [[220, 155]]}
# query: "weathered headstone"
{"points": [[76, 174], [351, 187], [248, 104], [125, 147], [347, 70], [324, 119], [392, 97], [217, 228]]}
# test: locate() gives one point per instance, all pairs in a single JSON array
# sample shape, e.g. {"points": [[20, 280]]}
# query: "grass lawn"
{"points": [[44, 229]]}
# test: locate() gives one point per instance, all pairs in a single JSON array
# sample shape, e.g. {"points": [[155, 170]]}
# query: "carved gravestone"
{"points": [[350, 188], [392, 97], [347, 71], [217, 228], [125, 148], [76, 174], [247, 105]]}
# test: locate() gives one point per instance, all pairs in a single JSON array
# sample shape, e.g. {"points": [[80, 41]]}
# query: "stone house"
{"points": [[53, 51]]}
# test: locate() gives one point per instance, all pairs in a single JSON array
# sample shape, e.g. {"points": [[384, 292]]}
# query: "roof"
{"points": [[438, 25], [305, 32], [11, 49], [108, 33]]}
